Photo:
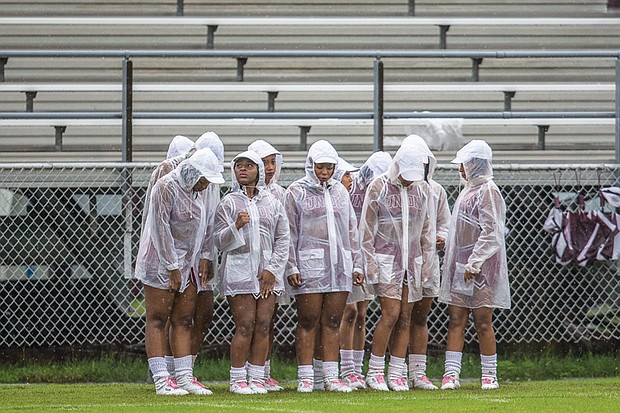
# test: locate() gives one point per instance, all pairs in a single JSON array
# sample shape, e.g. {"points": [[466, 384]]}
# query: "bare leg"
{"points": [[483, 321], [347, 326], [390, 310], [359, 332], [331, 315], [158, 307], [203, 317], [456, 328], [308, 317], [181, 321], [418, 331], [260, 338], [401, 329], [243, 308]]}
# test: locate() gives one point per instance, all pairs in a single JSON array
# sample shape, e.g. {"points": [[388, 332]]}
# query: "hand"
{"points": [[468, 275], [242, 219], [294, 280], [440, 244], [205, 271], [175, 280], [267, 282], [358, 278]]}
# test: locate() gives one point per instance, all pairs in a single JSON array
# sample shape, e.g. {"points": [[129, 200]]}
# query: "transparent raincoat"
{"points": [[374, 166], [324, 236], [396, 228], [476, 237], [212, 196], [264, 149], [261, 244], [440, 212], [180, 148], [171, 238]]}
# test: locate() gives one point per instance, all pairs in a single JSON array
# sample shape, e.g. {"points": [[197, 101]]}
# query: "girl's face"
{"points": [[462, 171], [246, 172], [347, 181], [324, 171], [270, 167], [201, 185]]}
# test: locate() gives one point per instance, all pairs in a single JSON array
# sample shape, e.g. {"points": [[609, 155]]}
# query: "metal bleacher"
{"points": [[307, 84]]}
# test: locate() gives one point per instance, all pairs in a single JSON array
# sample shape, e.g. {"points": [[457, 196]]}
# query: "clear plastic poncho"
{"points": [[180, 148], [377, 164], [264, 149], [396, 229], [324, 236], [261, 244], [440, 212], [213, 196], [476, 237], [172, 236]]}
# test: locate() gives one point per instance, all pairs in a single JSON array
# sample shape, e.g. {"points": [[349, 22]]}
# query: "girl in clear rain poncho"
{"points": [[251, 230], [398, 243], [353, 324], [170, 246], [440, 222], [324, 262], [272, 161], [203, 313], [475, 272]]}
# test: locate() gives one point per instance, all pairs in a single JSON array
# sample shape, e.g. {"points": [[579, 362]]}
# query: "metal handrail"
{"points": [[377, 115]]}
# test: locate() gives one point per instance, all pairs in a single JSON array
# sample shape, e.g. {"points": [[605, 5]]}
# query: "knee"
{"points": [[308, 322], [332, 322], [350, 314], [262, 326], [245, 327], [483, 326], [184, 321], [419, 320]]}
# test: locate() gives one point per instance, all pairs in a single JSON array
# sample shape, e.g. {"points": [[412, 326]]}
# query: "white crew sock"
{"points": [[453, 362], [489, 366]]}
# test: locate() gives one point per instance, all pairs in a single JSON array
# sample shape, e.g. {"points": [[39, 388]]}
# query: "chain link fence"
{"points": [[69, 234]]}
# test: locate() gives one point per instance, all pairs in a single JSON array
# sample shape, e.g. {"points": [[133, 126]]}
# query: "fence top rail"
{"points": [[310, 21], [378, 54], [296, 165], [307, 87]]}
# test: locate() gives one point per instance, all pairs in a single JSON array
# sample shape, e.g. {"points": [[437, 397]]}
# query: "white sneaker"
{"points": [[399, 384], [421, 383], [192, 385], [337, 385], [490, 383], [272, 385], [305, 386], [240, 387], [168, 387], [353, 381], [258, 386], [450, 381], [376, 382]]}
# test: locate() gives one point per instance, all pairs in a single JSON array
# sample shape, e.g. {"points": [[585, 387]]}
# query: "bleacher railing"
{"points": [[378, 115]]}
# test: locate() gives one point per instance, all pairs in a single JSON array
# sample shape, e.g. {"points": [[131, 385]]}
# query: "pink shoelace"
{"points": [[197, 383]]}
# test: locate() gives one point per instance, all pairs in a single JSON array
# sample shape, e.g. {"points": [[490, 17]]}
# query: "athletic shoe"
{"points": [[353, 381], [361, 379], [490, 383], [376, 382], [399, 384], [258, 386], [240, 387], [192, 385], [305, 386], [421, 383], [337, 385], [450, 381], [168, 387], [272, 385]]}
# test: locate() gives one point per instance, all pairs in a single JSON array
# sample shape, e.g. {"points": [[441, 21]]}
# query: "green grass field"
{"points": [[572, 395]]}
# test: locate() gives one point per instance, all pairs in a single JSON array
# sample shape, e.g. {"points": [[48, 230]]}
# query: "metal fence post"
{"points": [[180, 8], [127, 151], [617, 111], [378, 106]]}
